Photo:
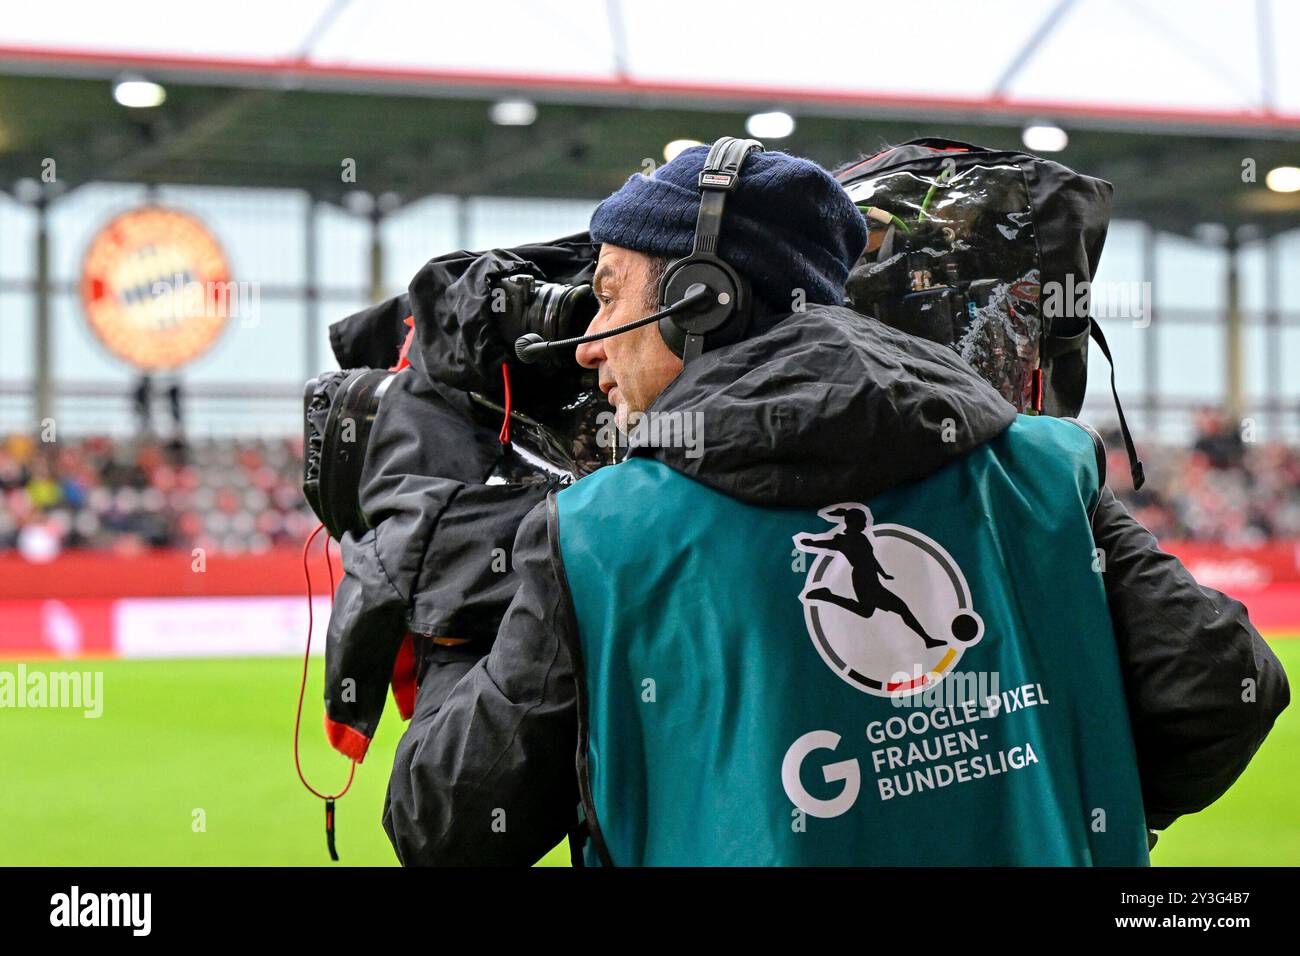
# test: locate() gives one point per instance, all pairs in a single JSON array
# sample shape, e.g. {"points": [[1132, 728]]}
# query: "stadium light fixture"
{"points": [[673, 149], [513, 112], [1044, 138], [27, 190], [1283, 179], [774, 125], [359, 202], [138, 93]]}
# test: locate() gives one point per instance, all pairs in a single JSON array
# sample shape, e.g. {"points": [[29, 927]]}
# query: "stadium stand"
{"points": [[242, 496], [1221, 489], [235, 496]]}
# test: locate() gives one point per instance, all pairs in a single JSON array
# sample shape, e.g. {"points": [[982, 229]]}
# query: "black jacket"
{"points": [[486, 773]]}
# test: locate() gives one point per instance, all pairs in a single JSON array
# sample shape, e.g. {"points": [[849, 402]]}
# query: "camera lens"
{"points": [[556, 311]]}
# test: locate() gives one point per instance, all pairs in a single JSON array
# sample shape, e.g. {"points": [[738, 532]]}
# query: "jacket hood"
{"points": [[825, 406]]}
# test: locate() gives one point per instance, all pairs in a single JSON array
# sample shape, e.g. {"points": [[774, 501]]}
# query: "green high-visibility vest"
{"points": [[927, 677]]}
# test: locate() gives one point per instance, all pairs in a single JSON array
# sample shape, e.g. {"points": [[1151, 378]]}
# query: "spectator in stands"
{"points": [[1218, 439]]}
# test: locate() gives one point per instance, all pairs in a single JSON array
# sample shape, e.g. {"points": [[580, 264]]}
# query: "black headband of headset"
{"points": [[702, 268], [720, 175]]}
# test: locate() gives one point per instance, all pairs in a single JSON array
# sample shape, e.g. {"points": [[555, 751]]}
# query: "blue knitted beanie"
{"points": [[787, 226]]}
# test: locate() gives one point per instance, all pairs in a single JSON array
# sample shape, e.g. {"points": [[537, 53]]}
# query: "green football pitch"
{"points": [[190, 764]]}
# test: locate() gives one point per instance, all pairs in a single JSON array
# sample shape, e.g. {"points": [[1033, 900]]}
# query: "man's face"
{"points": [[635, 366]]}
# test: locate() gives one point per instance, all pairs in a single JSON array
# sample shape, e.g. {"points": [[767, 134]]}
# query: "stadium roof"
{"points": [[1198, 62], [1168, 102]]}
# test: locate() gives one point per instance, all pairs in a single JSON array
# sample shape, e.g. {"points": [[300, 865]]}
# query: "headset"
{"points": [[710, 300]]}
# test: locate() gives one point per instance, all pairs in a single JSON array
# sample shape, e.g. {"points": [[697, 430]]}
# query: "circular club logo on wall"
{"points": [[155, 286], [887, 607]]}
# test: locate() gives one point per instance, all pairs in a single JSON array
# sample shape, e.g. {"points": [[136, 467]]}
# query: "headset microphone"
{"points": [[531, 347]]}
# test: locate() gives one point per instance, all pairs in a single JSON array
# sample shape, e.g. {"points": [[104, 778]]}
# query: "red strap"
{"points": [[505, 424], [402, 360]]}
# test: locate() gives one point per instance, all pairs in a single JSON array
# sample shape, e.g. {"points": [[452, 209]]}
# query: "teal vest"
{"points": [[926, 678]]}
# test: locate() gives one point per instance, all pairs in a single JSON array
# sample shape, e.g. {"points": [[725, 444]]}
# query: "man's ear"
{"points": [[655, 268]]}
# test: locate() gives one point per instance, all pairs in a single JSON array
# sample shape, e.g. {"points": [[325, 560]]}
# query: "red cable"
{"points": [[505, 425], [302, 688]]}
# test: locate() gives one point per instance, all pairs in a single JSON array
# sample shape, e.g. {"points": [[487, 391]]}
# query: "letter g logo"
{"points": [[846, 770]]}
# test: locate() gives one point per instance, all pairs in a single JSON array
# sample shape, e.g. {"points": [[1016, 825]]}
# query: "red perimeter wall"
{"points": [[155, 604]]}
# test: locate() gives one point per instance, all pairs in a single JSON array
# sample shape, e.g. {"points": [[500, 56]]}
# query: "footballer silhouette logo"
{"points": [[886, 606]]}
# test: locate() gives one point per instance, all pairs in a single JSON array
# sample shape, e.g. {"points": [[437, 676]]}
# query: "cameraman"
{"points": [[663, 631]]}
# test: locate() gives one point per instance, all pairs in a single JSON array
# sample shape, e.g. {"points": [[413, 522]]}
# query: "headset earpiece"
{"points": [[723, 315], [728, 297]]}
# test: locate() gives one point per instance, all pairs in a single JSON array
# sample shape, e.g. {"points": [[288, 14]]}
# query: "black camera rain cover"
{"points": [[439, 489], [963, 241]]}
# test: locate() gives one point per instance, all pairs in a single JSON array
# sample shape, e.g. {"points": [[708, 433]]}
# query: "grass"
{"points": [[1257, 822], [181, 736]]}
